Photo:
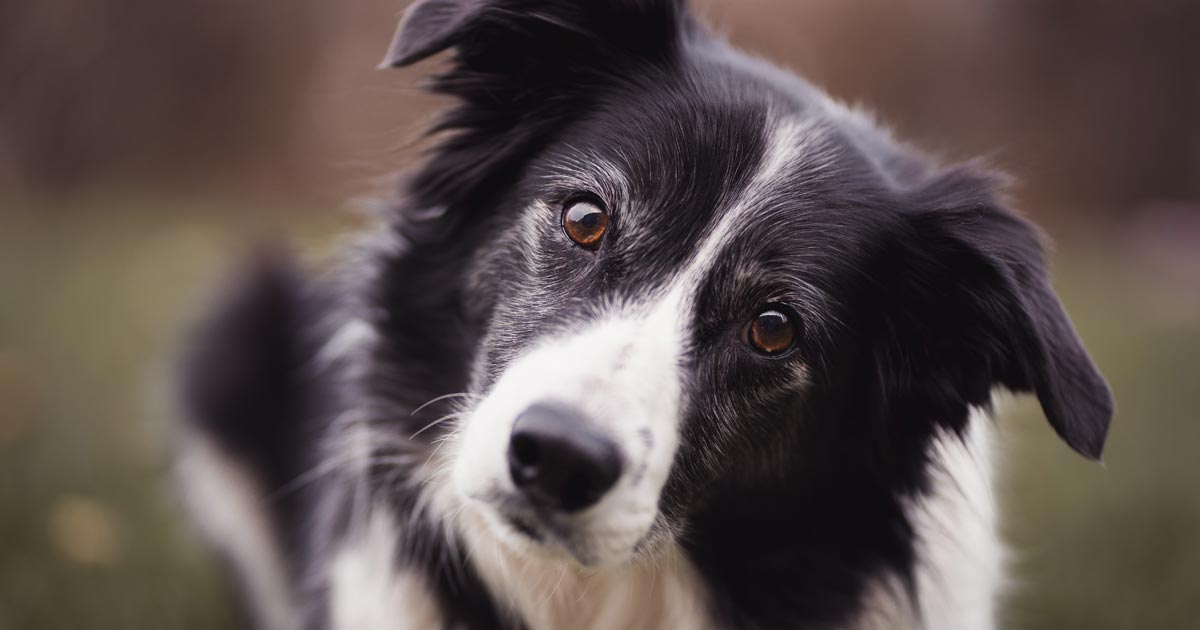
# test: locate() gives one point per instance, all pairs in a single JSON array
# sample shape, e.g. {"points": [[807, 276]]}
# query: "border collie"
{"points": [[657, 336]]}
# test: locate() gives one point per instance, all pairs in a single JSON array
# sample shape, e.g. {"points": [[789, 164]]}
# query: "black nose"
{"points": [[559, 460]]}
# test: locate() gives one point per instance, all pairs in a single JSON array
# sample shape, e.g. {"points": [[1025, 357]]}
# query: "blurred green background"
{"points": [[145, 147]]}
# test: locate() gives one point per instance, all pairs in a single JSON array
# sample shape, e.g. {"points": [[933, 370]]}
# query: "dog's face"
{"points": [[705, 278], [655, 295]]}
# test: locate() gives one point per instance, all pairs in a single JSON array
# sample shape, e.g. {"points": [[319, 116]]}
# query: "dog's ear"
{"points": [[987, 313], [431, 26], [520, 70]]}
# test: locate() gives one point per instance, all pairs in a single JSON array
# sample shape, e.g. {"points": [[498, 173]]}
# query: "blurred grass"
{"points": [[88, 301], [91, 535], [1114, 546]]}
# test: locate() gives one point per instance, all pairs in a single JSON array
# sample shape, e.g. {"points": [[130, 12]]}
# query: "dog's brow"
{"points": [[584, 169], [788, 141]]}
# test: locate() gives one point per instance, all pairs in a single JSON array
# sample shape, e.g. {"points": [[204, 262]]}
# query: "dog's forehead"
{"points": [[685, 168], [667, 164]]}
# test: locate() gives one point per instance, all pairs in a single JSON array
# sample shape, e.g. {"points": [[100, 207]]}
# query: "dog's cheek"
{"points": [[736, 445]]}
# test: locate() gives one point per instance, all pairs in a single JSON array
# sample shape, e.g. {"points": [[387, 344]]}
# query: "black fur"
{"points": [[245, 378], [917, 290]]}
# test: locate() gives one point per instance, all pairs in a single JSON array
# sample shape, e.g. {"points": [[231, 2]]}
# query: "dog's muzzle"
{"points": [[571, 455]]}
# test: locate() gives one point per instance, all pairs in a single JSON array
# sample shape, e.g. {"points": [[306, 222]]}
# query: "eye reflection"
{"points": [[585, 222], [772, 331]]}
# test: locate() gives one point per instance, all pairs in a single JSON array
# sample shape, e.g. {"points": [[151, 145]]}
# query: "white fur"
{"points": [[622, 374], [368, 591], [959, 557], [227, 503], [346, 340], [959, 571], [790, 142], [549, 594]]}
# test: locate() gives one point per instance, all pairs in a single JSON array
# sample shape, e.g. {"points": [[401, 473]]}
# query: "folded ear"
{"points": [[431, 26], [990, 315], [520, 70]]}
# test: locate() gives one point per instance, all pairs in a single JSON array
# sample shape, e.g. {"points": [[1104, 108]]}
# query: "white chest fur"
{"points": [[958, 570], [959, 556], [549, 595], [368, 591]]}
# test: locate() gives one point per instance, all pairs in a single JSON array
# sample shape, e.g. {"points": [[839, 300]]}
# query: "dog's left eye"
{"points": [[585, 221], [773, 331]]}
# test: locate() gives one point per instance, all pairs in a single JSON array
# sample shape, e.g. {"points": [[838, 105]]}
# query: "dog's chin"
{"points": [[532, 537]]}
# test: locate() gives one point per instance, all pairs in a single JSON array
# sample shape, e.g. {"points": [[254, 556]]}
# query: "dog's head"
{"points": [[694, 274]]}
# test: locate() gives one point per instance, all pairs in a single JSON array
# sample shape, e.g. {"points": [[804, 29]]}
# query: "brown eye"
{"points": [[585, 223], [772, 331]]}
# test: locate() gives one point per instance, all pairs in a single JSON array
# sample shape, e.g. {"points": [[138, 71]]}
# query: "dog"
{"points": [[657, 336]]}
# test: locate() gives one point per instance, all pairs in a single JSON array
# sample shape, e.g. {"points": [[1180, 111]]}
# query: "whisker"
{"points": [[305, 478], [440, 443], [439, 399], [557, 584], [444, 418], [331, 465]]}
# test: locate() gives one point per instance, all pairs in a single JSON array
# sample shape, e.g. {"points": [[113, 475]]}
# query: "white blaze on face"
{"points": [[623, 375], [623, 372]]}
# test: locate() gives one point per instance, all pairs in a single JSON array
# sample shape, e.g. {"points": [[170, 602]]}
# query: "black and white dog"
{"points": [[658, 336]]}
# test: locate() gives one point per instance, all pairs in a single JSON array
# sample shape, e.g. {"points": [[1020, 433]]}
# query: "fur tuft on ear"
{"points": [[979, 274], [429, 27], [521, 69]]}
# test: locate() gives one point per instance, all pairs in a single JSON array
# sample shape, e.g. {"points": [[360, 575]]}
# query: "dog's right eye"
{"points": [[773, 331], [585, 221]]}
